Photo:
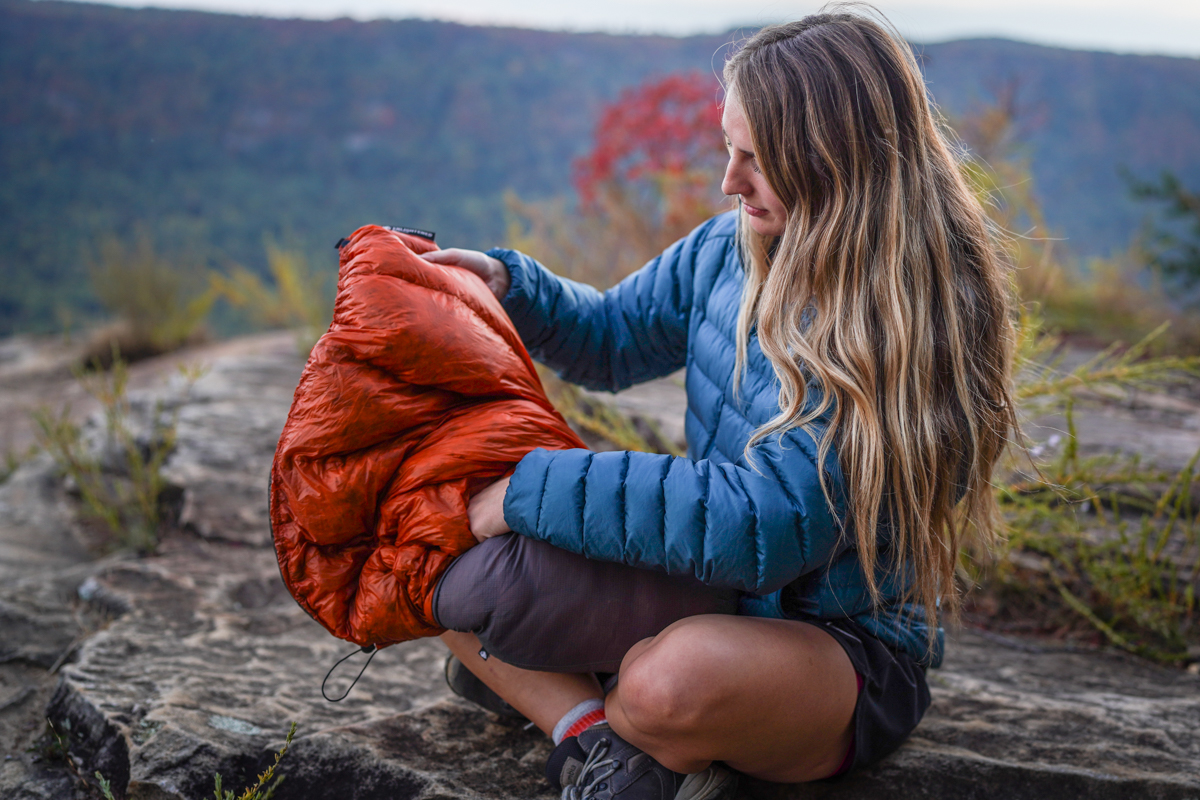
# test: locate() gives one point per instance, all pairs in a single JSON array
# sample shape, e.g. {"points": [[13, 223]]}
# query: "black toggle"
{"points": [[370, 648]]}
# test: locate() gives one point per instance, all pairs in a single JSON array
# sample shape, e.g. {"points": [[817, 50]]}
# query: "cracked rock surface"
{"points": [[165, 669]]}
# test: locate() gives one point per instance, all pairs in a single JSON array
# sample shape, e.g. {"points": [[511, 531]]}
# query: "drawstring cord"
{"points": [[370, 648]]}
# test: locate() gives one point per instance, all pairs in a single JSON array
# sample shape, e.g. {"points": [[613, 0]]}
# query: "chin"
{"points": [[764, 226]]}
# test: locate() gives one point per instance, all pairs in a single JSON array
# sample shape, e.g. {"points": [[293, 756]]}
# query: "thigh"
{"points": [[535, 606], [772, 698]]}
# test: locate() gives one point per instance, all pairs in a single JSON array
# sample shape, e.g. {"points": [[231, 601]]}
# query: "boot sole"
{"points": [[714, 783]]}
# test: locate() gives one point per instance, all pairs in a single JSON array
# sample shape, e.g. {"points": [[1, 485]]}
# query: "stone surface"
{"points": [[1011, 719], [33, 372], [41, 564], [244, 401], [1161, 428], [195, 660], [661, 401], [209, 666]]}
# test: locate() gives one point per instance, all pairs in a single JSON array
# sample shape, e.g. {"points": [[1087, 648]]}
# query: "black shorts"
{"points": [[535, 606], [893, 695]]}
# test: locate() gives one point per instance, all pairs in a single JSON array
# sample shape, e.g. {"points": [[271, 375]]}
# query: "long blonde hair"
{"points": [[885, 288]]}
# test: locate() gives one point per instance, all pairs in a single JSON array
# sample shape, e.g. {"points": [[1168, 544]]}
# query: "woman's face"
{"points": [[743, 178]]}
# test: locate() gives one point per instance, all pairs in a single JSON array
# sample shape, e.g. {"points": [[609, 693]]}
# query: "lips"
{"points": [[752, 211]]}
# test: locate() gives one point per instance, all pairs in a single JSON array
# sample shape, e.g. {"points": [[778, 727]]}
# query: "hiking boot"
{"points": [[464, 684], [599, 765]]}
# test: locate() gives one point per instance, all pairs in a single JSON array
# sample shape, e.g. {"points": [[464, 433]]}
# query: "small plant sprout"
{"points": [[105, 786], [122, 484], [13, 458], [262, 789]]}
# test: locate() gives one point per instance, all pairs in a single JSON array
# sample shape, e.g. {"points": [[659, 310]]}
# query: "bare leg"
{"points": [[543, 697], [772, 698]]}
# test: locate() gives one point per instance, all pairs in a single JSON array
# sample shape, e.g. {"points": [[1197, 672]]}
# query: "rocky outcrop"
{"points": [[244, 402], [195, 660], [1014, 720]]}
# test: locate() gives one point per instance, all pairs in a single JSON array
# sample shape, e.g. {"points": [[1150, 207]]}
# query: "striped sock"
{"points": [[578, 720]]}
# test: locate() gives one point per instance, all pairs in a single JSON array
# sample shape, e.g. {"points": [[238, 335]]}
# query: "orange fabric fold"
{"points": [[419, 395]]}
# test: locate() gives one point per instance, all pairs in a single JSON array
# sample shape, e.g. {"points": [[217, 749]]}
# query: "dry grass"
{"points": [[1105, 544], [119, 477], [298, 297], [158, 306]]}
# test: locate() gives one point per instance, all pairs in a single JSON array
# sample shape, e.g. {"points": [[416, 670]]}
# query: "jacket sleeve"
{"points": [[633, 332], [753, 530]]}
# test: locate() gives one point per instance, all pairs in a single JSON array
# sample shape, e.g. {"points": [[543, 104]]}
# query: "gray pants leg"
{"points": [[535, 606]]}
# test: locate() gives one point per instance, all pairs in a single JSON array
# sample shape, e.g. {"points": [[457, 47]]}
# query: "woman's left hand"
{"points": [[485, 512]]}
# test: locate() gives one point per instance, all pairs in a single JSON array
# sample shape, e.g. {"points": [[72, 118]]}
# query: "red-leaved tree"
{"points": [[653, 174], [662, 137]]}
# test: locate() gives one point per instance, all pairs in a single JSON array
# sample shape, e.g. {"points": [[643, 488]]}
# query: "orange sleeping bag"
{"points": [[419, 395]]}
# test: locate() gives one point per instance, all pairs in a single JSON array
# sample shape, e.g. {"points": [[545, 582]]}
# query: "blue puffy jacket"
{"points": [[768, 531]]}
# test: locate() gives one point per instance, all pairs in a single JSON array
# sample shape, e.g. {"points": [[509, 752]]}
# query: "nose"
{"points": [[732, 183]]}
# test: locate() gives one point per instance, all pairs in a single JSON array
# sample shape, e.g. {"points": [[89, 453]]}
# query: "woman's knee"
{"points": [[667, 685]]}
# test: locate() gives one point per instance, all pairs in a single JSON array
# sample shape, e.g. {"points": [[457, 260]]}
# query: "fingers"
{"points": [[451, 256], [472, 260], [492, 271], [485, 511]]}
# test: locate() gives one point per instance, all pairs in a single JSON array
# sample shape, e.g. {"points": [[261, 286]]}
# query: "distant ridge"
{"points": [[210, 130]]}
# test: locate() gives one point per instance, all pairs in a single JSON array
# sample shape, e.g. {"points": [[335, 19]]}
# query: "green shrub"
{"points": [[1171, 244], [125, 490], [604, 419], [13, 459], [298, 297], [159, 306], [1106, 542]]}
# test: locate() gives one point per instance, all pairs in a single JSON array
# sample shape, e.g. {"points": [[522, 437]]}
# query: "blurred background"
{"points": [[182, 173]]}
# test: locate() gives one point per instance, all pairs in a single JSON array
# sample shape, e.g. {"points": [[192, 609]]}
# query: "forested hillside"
{"points": [[211, 131]]}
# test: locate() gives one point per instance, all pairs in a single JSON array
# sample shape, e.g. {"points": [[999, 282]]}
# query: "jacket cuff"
{"points": [[523, 497], [522, 288]]}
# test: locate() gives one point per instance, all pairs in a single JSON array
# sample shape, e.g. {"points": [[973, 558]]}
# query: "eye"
{"points": [[753, 160]]}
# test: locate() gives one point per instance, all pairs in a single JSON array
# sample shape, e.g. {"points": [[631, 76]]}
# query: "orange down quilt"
{"points": [[419, 395]]}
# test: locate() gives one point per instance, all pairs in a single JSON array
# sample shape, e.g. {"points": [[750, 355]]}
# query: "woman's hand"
{"points": [[491, 270], [485, 512]]}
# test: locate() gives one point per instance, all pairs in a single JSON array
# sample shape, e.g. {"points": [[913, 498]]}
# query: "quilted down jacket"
{"points": [[419, 395], [766, 530]]}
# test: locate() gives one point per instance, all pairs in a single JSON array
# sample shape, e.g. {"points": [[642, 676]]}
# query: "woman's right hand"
{"points": [[491, 270]]}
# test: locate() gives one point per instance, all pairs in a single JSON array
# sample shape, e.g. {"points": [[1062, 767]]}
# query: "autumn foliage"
{"points": [[667, 130], [653, 174]]}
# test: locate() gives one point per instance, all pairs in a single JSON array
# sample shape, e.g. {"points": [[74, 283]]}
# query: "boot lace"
{"points": [[595, 770]]}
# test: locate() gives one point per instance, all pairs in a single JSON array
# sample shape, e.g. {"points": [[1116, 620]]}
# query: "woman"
{"points": [[848, 346]]}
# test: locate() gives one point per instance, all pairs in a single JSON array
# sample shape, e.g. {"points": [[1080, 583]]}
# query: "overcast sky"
{"points": [[1146, 26]]}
